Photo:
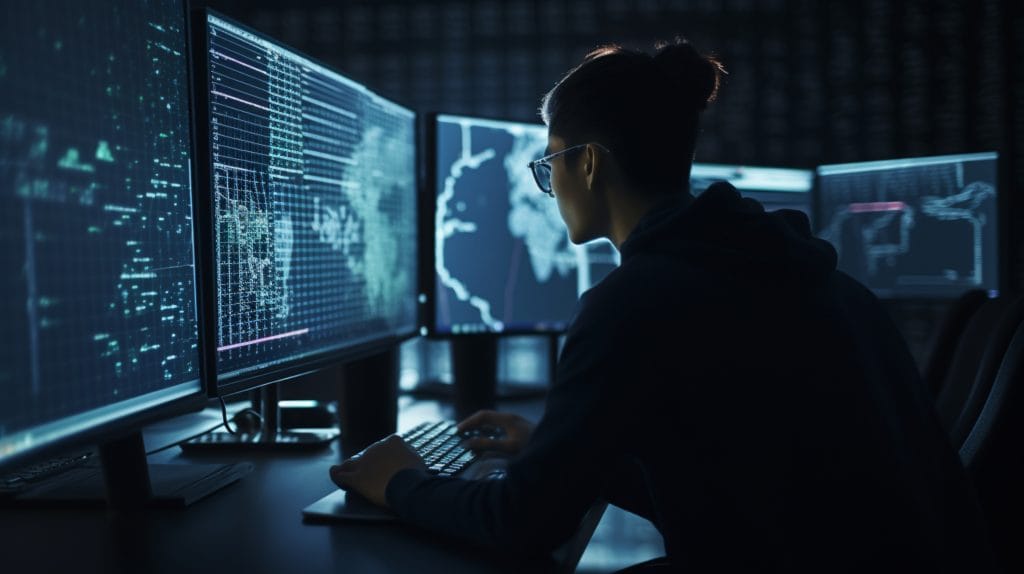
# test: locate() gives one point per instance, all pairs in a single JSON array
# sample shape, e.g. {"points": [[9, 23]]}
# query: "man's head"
{"points": [[637, 115]]}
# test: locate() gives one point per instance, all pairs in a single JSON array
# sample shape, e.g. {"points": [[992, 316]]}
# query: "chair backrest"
{"points": [[994, 456], [979, 342], [990, 363], [943, 342]]}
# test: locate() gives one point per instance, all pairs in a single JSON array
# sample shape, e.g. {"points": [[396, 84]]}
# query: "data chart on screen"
{"points": [[96, 240], [315, 205], [914, 227], [503, 260]]}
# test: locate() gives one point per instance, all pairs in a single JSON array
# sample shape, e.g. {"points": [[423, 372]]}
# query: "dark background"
{"points": [[809, 82]]}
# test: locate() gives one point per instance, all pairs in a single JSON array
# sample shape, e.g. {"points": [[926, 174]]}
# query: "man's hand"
{"points": [[491, 430], [369, 472]]}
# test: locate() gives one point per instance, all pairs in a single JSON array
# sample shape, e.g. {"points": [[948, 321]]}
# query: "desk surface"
{"points": [[254, 525]]}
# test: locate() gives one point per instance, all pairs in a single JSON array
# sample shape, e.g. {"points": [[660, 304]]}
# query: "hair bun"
{"points": [[695, 75]]}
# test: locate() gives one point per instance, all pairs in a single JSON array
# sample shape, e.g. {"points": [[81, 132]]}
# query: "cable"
{"points": [[224, 413], [225, 424]]}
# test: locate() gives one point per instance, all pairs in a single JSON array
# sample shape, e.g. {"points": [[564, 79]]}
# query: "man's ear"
{"points": [[591, 161]]}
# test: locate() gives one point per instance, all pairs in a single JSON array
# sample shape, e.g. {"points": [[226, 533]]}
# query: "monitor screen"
{"points": [[314, 183], [921, 227], [502, 256], [773, 187], [98, 292]]}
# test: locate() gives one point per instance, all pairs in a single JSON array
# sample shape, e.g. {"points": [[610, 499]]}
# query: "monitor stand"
{"points": [[475, 374], [269, 436], [368, 400], [124, 481], [476, 385]]}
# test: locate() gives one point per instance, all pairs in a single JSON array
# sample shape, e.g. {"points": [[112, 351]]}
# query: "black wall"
{"points": [[810, 82]]}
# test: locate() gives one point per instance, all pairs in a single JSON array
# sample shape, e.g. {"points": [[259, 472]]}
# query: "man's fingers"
{"points": [[341, 476]]}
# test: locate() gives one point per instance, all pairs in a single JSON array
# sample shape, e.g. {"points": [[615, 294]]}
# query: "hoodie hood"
{"points": [[722, 227]]}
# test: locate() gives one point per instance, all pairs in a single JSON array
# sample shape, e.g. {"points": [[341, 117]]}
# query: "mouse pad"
{"points": [[342, 506]]}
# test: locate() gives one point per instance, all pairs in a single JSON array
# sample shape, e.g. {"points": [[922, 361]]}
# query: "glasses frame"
{"points": [[546, 161]]}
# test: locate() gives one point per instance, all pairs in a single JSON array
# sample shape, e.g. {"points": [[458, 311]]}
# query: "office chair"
{"points": [[993, 455], [947, 336], [976, 357], [995, 350]]}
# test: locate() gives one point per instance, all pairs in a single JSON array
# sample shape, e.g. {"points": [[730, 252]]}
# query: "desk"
{"points": [[252, 526]]}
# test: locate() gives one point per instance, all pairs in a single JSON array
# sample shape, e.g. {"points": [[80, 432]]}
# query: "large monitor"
{"points": [[918, 227], [99, 290], [314, 196], [773, 187], [503, 262]]}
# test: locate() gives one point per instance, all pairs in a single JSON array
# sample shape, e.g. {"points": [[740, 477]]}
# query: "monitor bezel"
{"points": [[1003, 280], [1004, 243], [809, 172], [296, 367], [195, 400], [807, 195]]}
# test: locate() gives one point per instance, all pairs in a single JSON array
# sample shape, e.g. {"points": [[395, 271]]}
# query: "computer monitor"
{"points": [[312, 182], [498, 256], [773, 187], [917, 227], [502, 259], [99, 289]]}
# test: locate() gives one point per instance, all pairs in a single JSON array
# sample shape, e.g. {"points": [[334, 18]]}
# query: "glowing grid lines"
{"points": [[314, 179], [95, 196]]}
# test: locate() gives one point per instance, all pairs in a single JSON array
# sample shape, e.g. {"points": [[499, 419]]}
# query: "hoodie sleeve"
{"points": [[562, 471]]}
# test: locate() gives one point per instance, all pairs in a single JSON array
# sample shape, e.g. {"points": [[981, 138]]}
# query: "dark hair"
{"points": [[644, 108]]}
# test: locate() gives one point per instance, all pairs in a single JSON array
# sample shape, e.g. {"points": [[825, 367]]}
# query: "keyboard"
{"points": [[439, 443], [22, 479]]}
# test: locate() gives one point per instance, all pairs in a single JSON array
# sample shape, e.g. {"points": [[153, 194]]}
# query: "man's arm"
{"points": [[558, 476]]}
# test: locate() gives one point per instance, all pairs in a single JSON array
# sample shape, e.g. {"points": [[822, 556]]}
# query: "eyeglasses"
{"points": [[541, 168]]}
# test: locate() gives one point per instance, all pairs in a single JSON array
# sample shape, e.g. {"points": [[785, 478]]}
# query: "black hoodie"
{"points": [[756, 404]]}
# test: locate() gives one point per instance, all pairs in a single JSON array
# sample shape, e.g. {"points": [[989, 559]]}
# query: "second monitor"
{"points": [[774, 187], [313, 181], [503, 262], [917, 227]]}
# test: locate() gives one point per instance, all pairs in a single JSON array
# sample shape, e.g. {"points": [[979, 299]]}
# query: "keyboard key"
{"points": [[440, 445]]}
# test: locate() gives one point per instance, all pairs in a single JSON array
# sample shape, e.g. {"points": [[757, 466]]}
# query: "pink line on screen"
{"points": [[263, 339], [875, 206], [247, 102], [217, 54]]}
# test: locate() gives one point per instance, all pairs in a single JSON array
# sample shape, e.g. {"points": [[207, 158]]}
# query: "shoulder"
{"points": [[648, 294], [646, 283]]}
